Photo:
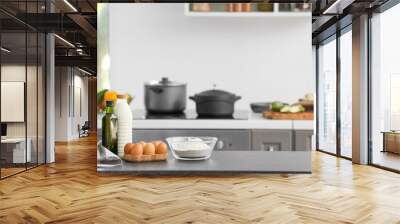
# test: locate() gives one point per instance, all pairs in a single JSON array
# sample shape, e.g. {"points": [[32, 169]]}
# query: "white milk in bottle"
{"points": [[124, 125]]}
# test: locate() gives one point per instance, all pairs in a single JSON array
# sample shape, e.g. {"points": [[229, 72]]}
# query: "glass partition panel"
{"points": [[23, 90], [385, 87], [31, 97], [346, 94], [14, 153], [41, 79], [327, 97]]}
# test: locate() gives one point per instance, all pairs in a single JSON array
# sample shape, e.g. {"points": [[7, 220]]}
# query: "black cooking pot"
{"points": [[215, 103]]}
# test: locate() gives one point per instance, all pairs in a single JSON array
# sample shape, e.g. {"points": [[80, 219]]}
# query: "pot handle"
{"points": [[192, 98], [237, 98], [156, 90]]}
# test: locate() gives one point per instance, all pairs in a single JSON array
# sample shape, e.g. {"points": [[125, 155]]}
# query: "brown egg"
{"points": [[149, 149], [161, 148], [142, 143], [156, 143], [136, 150], [127, 148]]}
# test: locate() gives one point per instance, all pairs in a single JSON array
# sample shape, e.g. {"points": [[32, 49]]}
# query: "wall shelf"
{"points": [[252, 14]]}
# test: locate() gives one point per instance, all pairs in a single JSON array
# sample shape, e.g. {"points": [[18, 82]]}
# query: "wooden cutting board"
{"points": [[288, 116]]}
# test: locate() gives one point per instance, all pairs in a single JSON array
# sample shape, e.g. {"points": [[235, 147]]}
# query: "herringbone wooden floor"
{"points": [[70, 191]]}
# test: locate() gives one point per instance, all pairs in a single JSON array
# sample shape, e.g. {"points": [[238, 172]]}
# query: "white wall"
{"points": [[61, 103], [79, 117], [69, 84], [260, 59]]}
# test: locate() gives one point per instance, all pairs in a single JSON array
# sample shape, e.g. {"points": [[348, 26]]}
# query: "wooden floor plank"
{"points": [[71, 191]]}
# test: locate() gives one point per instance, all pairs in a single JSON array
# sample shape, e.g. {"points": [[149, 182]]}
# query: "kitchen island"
{"points": [[246, 144], [245, 131], [221, 162]]}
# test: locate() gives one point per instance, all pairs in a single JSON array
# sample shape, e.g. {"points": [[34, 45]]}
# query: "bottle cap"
{"points": [[109, 103]]}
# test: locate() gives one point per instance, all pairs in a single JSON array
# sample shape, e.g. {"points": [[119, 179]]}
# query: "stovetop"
{"points": [[187, 115]]}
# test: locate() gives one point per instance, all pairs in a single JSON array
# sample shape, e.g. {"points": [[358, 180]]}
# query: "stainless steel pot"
{"points": [[215, 103], [165, 96]]}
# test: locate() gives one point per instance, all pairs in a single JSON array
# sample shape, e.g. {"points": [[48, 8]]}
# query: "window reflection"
{"points": [[385, 81], [327, 97]]}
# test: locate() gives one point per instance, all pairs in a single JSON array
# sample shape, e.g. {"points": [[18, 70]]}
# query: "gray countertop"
{"points": [[221, 162]]}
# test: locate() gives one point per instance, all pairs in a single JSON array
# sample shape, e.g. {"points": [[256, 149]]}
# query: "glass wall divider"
{"points": [[384, 87], [338, 98], [316, 107], [369, 78], [328, 140], [22, 92], [25, 89], [326, 100], [1, 147]]}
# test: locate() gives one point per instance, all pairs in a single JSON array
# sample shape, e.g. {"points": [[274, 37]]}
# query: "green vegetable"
{"points": [[276, 106], [285, 109], [292, 109], [296, 109]]}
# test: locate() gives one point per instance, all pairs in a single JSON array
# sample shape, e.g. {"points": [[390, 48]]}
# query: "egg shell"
{"points": [[149, 149], [142, 143], [136, 150], [127, 148], [161, 148], [156, 143]]}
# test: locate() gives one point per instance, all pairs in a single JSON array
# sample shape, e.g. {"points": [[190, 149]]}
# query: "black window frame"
{"points": [[334, 37]]}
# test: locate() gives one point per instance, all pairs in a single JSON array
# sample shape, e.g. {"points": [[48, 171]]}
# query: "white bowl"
{"points": [[191, 148]]}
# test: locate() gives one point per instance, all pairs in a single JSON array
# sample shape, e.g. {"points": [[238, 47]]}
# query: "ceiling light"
{"points": [[84, 71], [326, 11], [70, 5], [5, 50], [65, 41], [338, 6]]}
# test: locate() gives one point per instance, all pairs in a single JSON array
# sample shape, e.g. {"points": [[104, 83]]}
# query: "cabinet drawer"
{"points": [[303, 140], [227, 139], [272, 140]]}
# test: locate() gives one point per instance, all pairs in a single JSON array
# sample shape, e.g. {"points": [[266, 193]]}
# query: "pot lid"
{"points": [[216, 94], [164, 82]]}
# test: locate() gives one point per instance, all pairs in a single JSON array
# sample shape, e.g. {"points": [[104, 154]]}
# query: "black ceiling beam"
{"points": [[331, 30], [78, 61], [325, 26], [322, 23], [11, 25], [86, 26], [49, 22], [337, 7], [386, 5]]}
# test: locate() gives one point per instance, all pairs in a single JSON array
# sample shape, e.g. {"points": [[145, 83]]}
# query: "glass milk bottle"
{"points": [[124, 125]]}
